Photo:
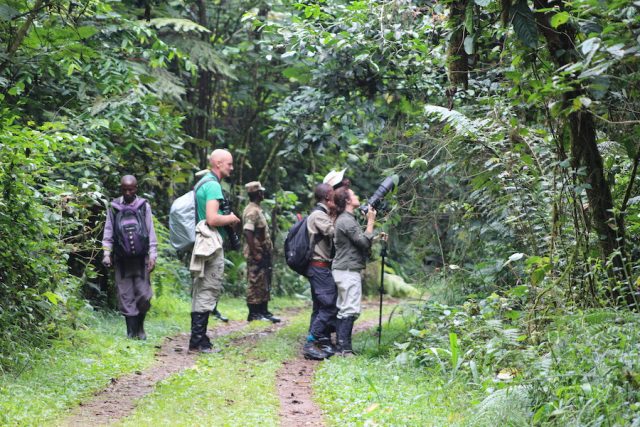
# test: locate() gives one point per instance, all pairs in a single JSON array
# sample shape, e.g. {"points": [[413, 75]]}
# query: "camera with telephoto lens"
{"points": [[376, 201], [233, 240]]}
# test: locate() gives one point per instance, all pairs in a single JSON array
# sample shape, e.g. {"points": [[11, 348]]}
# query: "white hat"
{"points": [[334, 178]]}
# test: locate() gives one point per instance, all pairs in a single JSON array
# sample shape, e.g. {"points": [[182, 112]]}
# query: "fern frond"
{"points": [[201, 53], [176, 24], [166, 84], [511, 335], [458, 121], [507, 406]]}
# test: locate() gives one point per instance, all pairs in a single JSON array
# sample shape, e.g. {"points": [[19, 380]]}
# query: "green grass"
{"points": [[85, 360], [73, 368], [371, 389], [233, 388]]}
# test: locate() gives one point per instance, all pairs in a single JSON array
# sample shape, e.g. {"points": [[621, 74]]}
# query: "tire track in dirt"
{"points": [[294, 386], [120, 398]]}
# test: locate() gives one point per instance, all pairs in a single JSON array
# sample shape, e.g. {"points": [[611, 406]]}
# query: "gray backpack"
{"points": [[183, 217]]}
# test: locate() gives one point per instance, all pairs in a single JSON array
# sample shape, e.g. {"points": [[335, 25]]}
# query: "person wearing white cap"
{"points": [[353, 246], [257, 251], [336, 179]]}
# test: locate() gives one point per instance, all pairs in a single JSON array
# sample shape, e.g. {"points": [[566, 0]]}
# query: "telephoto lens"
{"points": [[376, 201]]}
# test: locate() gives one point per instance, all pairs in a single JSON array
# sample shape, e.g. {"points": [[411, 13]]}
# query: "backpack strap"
{"points": [[195, 192]]}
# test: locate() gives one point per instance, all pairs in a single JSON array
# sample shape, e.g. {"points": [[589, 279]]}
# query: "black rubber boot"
{"points": [[344, 329], [132, 326], [313, 352], [348, 331], [219, 315], [199, 340], [264, 308], [255, 313], [140, 331]]}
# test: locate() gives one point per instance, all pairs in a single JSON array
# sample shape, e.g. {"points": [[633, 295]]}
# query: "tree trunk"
{"points": [[22, 33], [457, 57], [585, 154]]}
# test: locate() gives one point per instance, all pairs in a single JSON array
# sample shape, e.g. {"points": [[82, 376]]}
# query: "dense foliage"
{"points": [[512, 124]]}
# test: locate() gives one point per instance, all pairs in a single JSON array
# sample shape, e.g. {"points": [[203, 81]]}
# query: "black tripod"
{"points": [[383, 254]]}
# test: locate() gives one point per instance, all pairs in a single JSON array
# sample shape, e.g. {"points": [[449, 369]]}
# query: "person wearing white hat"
{"points": [[336, 179], [257, 251], [353, 246]]}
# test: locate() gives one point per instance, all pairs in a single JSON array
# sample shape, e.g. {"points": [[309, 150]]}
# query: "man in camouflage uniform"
{"points": [[258, 249]]}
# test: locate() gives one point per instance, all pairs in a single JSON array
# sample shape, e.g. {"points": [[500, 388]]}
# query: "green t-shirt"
{"points": [[211, 190]]}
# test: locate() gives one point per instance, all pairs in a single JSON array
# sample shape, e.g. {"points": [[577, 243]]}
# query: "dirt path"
{"points": [[119, 399], [293, 381]]}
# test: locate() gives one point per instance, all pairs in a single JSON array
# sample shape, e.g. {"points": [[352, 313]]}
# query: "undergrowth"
{"points": [[571, 368], [372, 389]]}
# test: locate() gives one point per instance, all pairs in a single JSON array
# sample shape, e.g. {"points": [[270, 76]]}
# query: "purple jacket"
{"points": [[107, 237]]}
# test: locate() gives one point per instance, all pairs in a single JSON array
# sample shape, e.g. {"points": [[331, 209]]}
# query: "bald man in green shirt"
{"points": [[207, 287]]}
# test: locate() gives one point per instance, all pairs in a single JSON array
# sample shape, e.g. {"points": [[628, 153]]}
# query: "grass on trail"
{"points": [[233, 388], [371, 389], [86, 360]]}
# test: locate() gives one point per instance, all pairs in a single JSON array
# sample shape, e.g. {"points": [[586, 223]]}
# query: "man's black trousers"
{"points": [[324, 294]]}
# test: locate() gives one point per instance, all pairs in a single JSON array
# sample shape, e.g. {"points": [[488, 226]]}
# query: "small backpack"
{"points": [[183, 219], [131, 237], [298, 249]]}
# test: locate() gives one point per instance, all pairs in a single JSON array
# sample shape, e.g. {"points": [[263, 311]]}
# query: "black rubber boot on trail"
{"points": [[132, 326], [140, 333], [344, 331], [215, 313], [255, 313], [199, 341], [264, 308]]}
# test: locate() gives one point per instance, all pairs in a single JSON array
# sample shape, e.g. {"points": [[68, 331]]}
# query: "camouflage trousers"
{"points": [[259, 281]]}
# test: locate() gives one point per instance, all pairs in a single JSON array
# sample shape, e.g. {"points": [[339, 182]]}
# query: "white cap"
{"points": [[334, 178]]}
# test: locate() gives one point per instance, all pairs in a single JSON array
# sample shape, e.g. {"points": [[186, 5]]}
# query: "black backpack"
{"points": [[298, 249], [131, 237]]}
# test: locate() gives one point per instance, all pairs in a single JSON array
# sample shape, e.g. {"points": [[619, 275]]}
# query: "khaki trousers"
{"points": [[207, 289], [349, 285]]}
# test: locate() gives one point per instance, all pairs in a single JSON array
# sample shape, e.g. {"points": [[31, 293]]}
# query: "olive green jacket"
{"points": [[352, 244]]}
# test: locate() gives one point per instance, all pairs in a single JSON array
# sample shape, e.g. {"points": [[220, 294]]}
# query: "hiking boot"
{"points": [[140, 332], [327, 346], [311, 351], [264, 308], [215, 313]]}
